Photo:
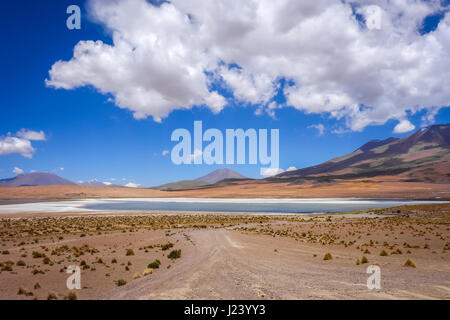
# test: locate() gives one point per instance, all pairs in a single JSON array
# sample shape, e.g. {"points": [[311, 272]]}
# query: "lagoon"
{"points": [[298, 206]]}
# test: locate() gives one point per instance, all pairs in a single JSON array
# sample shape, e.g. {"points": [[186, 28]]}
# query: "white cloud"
{"points": [[404, 126], [167, 57], [21, 143], [107, 183], [10, 145], [31, 135], [17, 170], [291, 169], [132, 185], [428, 118], [251, 88], [319, 128], [165, 153], [268, 172], [340, 130]]}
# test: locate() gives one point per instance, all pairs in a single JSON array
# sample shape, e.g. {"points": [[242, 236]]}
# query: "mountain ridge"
{"points": [[207, 180], [36, 179], [426, 149], [219, 175]]}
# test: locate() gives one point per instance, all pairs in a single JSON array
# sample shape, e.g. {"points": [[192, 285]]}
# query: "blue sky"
{"points": [[91, 138]]}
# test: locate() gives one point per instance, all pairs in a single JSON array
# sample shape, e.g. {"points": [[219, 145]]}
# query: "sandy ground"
{"points": [[228, 256], [258, 189]]}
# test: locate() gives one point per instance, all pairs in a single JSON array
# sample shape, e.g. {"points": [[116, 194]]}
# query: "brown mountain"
{"points": [[207, 180], [221, 174], [423, 156], [36, 179]]}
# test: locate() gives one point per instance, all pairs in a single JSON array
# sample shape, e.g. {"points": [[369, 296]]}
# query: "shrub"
{"points": [[137, 275], [167, 246], [121, 282], [327, 256], [21, 263], [5, 252], [36, 271], [358, 262], [383, 253], [37, 255], [52, 296], [99, 260], [154, 265], [174, 254], [22, 291], [7, 267], [409, 263], [147, 272], [129, 252], [71, 296], [364, 260]]}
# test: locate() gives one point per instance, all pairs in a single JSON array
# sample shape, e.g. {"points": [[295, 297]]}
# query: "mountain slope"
{"points": [[36, 179], [183, 184], [207, 180], [421, 156], [221, 174]]}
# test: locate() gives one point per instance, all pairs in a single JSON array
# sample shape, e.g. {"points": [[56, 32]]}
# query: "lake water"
{"points": [[251, 205]]}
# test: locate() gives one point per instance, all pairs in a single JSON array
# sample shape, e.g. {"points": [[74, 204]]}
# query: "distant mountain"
{"points": [[36, 179], [421, 156], [183, 184], [221, 174], [207, 180], [92, 183]]}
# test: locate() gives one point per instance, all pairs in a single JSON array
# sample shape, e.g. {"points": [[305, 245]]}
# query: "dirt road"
{"points": [[227, 264]]}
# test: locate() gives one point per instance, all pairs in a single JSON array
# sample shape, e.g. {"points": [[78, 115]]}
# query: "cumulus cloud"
{"points": [[107, 183], [320, 128], [31, 135], [20, 143], [17, 170], [10, 145], [404, 126], [170, 56], [269, 172], [132, 185]]}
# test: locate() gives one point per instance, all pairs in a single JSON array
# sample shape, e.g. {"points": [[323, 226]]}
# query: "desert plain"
{"points": [[185, 255]]}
